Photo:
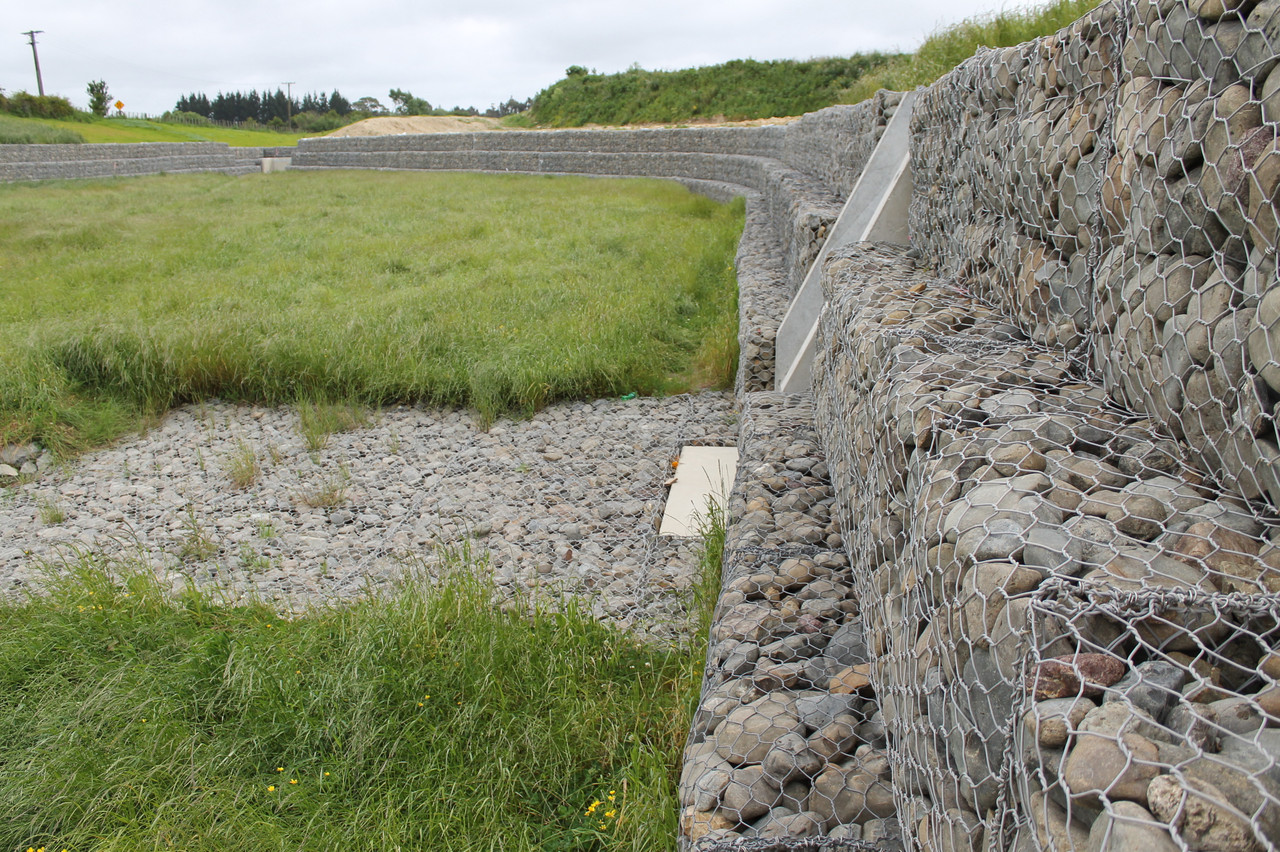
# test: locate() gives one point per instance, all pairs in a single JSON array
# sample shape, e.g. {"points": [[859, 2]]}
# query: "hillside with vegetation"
{"points": [[747, 89], [741, 89]]}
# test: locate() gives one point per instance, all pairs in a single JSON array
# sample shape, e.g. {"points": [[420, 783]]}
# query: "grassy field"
{"points": [[123, 298], [14, 129], [426, 720]]}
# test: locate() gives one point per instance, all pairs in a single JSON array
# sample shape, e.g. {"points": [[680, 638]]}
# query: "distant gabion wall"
{"points": [[56, 162]]}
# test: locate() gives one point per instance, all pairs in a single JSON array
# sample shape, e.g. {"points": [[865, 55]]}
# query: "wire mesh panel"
{"points": [[787, 745], [1064, 521], [1068, 626]]}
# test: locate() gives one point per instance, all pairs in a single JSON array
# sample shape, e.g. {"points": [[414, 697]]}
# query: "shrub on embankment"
{"points": [[23, 105], [741, 89]]}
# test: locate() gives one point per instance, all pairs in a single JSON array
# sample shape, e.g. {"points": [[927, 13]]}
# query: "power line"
{"points": [[31, 34]]}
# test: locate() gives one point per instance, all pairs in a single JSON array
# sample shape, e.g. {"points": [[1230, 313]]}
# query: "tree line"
{"points": [[263, 108], [312, 110]]}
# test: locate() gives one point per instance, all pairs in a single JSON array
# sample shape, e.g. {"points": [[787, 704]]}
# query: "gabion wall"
{"points": [[1051, 434], [1071, 631], [57, 162]]}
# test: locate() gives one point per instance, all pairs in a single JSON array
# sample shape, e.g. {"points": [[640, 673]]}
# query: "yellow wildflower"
{"points": [[271, 788]]}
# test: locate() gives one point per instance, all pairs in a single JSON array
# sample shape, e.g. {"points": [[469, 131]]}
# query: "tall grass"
{"points": [[952, 44], [22, 131], [429, 719], [504, 293]]}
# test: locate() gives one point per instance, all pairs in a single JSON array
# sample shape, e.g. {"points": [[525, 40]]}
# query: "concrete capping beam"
{"points": [[875, 210]]}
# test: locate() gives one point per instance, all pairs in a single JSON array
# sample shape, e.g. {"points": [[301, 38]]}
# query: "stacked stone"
{"points": [[1072, 634], [834, 144], [1136, 214], [1187, 297], [1009, 152], [59, 162], [787, 742], [763, 294]]}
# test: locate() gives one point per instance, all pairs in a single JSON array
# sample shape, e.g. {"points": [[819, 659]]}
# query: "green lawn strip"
{"points": [[428, 719], [504, 293], [98, 130]]}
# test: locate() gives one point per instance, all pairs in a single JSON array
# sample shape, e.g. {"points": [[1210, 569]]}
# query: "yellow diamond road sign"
{"points": [[119, 104]]}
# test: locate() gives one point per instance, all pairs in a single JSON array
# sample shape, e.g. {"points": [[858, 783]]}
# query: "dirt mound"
{"points": [[393, 124]]}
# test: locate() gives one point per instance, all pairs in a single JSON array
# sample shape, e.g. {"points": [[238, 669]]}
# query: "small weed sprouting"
{"points": [[266, 530], [196, 544], [319, 420], [332, 492], [242, 466], [51, 513], [273, 452], [253, 561]]}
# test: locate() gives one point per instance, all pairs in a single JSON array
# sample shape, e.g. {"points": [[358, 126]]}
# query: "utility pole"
{"points": [[289, 106], [31, 34]]}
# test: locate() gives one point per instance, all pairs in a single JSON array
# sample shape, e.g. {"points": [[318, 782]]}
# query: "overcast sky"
{"points": [[457, 53]]}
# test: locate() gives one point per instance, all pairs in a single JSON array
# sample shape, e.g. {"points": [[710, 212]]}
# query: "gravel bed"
{"points": [[566, 500]]}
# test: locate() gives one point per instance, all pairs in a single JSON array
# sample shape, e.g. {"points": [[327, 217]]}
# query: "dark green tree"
{"points": [[407, 104], [98, 97]]}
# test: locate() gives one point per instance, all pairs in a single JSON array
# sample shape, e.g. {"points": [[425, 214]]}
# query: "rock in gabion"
{"points": [[1069, 626]]}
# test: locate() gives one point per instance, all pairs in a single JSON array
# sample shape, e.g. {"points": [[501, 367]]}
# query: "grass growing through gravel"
{"points": [[426, 720], [500, 292]]}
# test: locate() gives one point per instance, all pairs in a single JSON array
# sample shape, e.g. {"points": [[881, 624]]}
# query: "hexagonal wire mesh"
{"points": [[1052, 442], [1072, 604]]}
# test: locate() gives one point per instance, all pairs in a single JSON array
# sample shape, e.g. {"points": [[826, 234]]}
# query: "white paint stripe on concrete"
{"points": [[703, 474]]}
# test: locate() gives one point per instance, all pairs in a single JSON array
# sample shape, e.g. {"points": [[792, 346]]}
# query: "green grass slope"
{"points": [[429, 719], [741, 89], [16, 130], [953, 44]]}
